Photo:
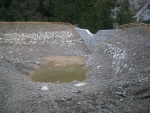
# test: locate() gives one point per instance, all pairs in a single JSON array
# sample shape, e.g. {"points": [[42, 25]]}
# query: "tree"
{"points": [[41, 7], [124, 15], [6, 3], [27, 15], [96, 14], [2, 13], [90, 14]]}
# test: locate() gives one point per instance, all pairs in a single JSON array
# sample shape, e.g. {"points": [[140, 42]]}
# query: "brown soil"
{"points": [[64, 60]]}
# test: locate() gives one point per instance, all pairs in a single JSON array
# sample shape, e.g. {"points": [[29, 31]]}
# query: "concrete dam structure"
{"points": [[94, 41], [117, 80]]}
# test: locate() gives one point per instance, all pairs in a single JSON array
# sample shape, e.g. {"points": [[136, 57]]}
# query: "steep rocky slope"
{"points": [[141, 9]]}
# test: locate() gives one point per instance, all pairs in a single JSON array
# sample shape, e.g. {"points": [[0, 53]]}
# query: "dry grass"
{"points": [[61, 23], [65, 59], [135, 24]]}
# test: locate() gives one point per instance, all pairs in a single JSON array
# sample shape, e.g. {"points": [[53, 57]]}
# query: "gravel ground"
{"points": [[118, 78]]}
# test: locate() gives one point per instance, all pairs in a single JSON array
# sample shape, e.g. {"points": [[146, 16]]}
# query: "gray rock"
{"points": [[44, 88]]}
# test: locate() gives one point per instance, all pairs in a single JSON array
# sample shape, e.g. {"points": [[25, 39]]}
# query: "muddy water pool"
{"points": [[65, 74]]}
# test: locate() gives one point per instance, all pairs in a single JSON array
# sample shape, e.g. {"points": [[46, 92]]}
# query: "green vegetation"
{"points": [[90, 14], [125, 15]]}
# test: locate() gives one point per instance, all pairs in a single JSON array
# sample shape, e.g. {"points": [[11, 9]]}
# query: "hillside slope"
{"points": [[123, 64]]}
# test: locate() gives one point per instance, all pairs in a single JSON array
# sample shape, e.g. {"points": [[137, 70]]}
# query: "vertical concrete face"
{"points": [[87, 37], [94, 41], [85, 34]]}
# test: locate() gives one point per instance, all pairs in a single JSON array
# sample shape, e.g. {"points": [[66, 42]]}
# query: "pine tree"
{"points": [[124, 15]]}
